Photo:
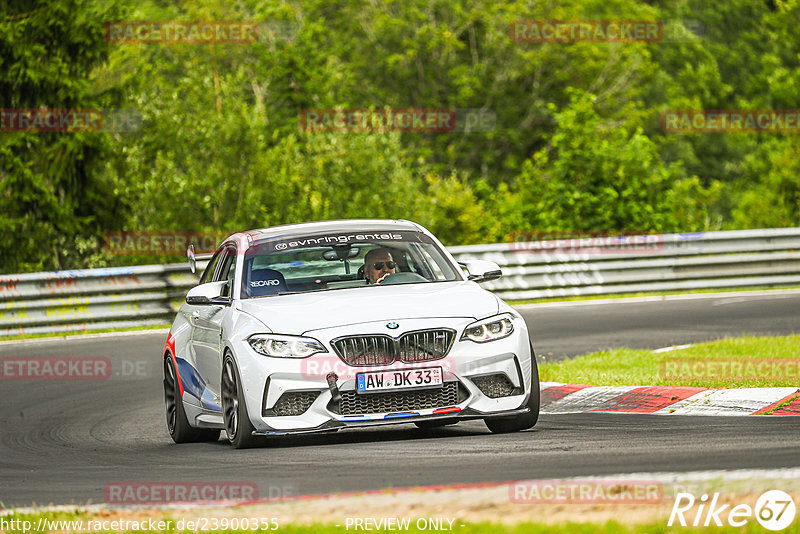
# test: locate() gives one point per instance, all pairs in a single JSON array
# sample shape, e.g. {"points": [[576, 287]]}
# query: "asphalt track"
{"points": [[62, 442]]}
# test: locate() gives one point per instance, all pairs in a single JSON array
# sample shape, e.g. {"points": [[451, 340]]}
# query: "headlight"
{"points": [[278, 346], [489, 329]]}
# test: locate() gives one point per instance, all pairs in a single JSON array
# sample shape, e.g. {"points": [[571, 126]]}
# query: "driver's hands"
{"points": [[379, 280]]}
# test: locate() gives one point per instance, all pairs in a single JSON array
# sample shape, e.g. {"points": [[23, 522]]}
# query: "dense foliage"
{"points": [[214, 144]]}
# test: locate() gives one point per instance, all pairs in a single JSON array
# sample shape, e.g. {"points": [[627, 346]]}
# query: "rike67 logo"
{"points": [[774, 510]]}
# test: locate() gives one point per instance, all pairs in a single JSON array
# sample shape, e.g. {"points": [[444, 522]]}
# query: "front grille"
{"points": [[366, 350], [353, 403], [494, 386], [294, 402], [379, 349], [424, 345]]}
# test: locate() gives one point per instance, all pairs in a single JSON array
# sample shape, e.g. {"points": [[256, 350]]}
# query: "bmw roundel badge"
{"points": [[392, 326]]}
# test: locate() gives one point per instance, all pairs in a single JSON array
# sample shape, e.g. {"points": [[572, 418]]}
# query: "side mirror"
{"points": [[192, 259], [482, 270], [210, 293]]}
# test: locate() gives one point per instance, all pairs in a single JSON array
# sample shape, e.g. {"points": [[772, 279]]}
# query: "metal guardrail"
{"points": [[83, 299], [123, 297], [745, 258]]}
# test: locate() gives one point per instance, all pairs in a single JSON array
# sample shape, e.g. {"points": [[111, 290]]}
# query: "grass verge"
{"points": [[88, 331], [72, 523], [740, 362]]}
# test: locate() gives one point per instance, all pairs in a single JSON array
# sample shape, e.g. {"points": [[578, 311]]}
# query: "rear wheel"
{"points": [[234, 410], [178, 425], [502, 425]]}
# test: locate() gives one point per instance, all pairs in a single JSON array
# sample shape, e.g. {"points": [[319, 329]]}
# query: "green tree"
{"points": [[52, 201], [595, 176]]}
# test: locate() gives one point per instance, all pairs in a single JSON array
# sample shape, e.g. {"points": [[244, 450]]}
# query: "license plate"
{"points": [[399, 379]]}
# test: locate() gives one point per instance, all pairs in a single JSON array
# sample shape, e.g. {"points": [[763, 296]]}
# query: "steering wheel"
{"points": [[402, 278], [386, 277]]}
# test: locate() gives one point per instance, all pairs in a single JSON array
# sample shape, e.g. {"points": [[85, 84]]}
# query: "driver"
{"points": [[378, 264]]}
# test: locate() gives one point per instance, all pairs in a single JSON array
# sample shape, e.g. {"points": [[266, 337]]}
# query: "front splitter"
{"points": [[335, 426]]}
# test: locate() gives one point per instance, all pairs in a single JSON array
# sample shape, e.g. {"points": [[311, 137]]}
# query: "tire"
{"points": [[435, 423], [504, 425], [178, 426], [238, 427]]}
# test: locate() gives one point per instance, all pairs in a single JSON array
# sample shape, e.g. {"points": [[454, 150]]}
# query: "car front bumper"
{"points": [[268, 382]]}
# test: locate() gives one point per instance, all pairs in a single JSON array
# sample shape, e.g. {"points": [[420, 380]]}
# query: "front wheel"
{"points": [[503, 425], [234, 410], [178, 425]]}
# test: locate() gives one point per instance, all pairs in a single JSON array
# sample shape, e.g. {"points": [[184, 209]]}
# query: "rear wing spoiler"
{"points": [[194, 258]]}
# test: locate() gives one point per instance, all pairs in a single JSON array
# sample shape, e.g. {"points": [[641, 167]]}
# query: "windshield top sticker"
{"points": [[338, 239]]}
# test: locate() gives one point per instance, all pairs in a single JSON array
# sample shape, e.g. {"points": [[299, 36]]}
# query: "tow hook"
{"points": [[335, 395]]}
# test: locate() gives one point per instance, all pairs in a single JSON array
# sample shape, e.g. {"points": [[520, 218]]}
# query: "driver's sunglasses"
{"points": [[379, 265]]}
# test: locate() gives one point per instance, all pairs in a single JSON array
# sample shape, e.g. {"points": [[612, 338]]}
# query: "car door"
{"points": [[207, 332], [191, 313]]}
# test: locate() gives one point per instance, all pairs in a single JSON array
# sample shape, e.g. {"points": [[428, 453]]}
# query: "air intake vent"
{"points": [[494, 386], [353, 403], [294, 403]]}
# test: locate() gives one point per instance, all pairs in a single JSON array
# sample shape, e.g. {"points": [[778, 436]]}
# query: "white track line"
{"points": [[671, 348], [634, 300]]}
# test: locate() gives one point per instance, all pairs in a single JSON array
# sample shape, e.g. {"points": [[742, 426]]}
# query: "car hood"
{"points": [[297, 314]]}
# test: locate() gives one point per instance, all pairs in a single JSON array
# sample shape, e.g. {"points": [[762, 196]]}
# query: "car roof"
{"points": [[347, 225]]}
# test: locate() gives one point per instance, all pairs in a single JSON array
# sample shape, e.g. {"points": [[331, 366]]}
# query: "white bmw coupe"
{"points": [[331, 325]]}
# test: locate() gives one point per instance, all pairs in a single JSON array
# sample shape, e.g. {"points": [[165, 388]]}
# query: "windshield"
{"points": [[336, 261]]}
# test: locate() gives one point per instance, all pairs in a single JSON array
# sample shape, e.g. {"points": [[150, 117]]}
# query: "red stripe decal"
{"points": [[169, 346], [447, 410], [651, 399], [793, 408], [552, 394]]}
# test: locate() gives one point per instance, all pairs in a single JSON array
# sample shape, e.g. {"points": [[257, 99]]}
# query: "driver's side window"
{"points": [[228, 270], [208, 274]]}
